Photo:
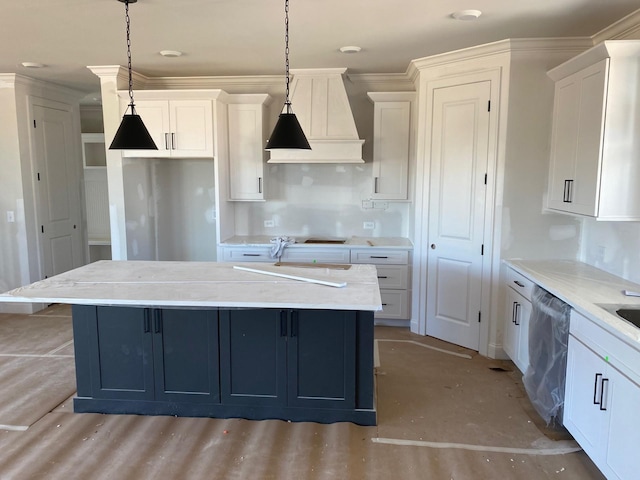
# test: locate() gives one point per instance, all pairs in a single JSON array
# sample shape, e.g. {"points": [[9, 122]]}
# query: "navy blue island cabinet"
{"points": [[253, 363]]}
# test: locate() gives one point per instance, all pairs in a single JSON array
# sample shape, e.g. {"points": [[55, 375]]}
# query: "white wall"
{"points": [[308, 200]]}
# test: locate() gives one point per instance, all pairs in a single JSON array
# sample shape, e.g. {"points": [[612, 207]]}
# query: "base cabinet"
{"points": [[147, 354], [292, 358], [601, 400], [290, 364]]}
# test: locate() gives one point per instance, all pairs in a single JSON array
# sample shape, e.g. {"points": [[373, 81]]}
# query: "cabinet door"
{"points": [[185, 345], [582, 415], [155, 116], [121, 353], [191, 133], [246, 152], [391, 145], [621, 456], [578, 127], [253, 362], [322, 359], [510, 336]]}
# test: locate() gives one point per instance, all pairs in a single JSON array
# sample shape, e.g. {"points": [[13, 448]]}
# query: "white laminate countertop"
{"points": [[351, 242], [585, 288], [203, 284]]}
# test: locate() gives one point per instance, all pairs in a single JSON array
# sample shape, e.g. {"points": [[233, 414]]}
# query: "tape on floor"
{"points": [[455, 354], [567, 447]]}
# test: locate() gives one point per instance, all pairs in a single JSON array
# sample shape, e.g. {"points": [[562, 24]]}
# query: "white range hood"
{"points": [[319, 100]]}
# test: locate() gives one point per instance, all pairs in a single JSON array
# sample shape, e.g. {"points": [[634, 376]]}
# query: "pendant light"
{"points": [[287, 132], [132, 134]]}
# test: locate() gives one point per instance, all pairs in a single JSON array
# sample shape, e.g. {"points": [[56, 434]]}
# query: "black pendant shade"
{"points": [[288, 134], [132, 135]]}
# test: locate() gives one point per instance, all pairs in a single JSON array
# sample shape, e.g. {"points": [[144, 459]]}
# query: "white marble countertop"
{"points": [[585, 288], [351, 242], [203, 284]]}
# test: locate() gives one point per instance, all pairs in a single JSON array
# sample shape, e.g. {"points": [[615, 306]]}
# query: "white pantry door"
{"points": [[457, 191], [59, 210]]}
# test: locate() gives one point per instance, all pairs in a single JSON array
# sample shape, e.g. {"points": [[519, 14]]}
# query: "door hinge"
{"points": [[482, 249], [488, 105], [34, 123], [479, 316]]}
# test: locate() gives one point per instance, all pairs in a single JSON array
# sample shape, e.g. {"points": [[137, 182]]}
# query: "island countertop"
{"points": [[203, 284]]}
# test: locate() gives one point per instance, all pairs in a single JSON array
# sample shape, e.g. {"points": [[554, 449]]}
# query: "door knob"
{"points": [[433, 246]]}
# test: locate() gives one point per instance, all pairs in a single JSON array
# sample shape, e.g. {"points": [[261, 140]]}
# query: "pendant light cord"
{"points": [[286, 53], [126, 11]]}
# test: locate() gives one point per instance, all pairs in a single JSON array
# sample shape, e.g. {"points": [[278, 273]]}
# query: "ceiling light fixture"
{"points": [[466, 14], [287, 133], [170, 53], [132, 134], [32, 65], [350, 49]]}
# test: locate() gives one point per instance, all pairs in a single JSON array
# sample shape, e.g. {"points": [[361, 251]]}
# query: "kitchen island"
{"points": [[205, 339]]}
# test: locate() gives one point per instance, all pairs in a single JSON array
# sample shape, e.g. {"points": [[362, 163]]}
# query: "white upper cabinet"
{"points": [[392, 143], [594, 168], [247, 138], [180, 128]]}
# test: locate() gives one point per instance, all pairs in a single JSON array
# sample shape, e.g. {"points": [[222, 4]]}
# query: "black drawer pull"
{"points": [[520, 284], [517, 314], [595, 390], [602, 407], [374, 256], [382, 276], [385, 304], [250, 254]]}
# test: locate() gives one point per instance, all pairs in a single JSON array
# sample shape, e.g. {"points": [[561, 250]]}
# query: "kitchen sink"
{"points": [[630, 313], [330, 241]]}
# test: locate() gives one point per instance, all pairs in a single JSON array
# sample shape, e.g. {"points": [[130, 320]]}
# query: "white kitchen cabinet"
{"points": [[179, 128], [392, 143], [247, 138], [517, 312], [602, 395], [596, 121], [393, 279]]}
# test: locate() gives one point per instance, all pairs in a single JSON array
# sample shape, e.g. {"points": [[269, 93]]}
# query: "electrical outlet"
{"points": [[268, 223], [369, 225]]}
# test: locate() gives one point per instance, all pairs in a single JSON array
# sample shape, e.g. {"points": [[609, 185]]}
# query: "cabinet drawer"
{"points": [[520, 283], [394, 304], [380, 257], [248, 254], [393, 276], [310, 255]]}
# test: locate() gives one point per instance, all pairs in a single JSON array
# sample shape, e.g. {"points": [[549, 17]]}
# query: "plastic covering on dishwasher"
{"points": [[548, 336]]}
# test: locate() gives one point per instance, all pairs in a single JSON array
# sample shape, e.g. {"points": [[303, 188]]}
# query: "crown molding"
{"points": [[13, 80], [382, 81], [222, 82], [622, 29]]}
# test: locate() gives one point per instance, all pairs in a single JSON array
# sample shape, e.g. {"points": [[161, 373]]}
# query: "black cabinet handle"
{"points": [[375, 184], [173, 141], [250, 254], [568, 191], [374, 256], [382, 276], [259, 184], [294, 323], [595, 390], [283, 323], [520, 284], [166, 141], [157, 320], [602, 386], [517, 314], [147, 321], [513, 312]]}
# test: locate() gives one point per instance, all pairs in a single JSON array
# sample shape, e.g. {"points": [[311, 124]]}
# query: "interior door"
{"points": [[457, 190], [58, 189]]}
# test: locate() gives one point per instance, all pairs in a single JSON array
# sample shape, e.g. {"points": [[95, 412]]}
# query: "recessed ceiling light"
{"points": [[350, 49], [32, 65], [466, 14], [170, 53]]}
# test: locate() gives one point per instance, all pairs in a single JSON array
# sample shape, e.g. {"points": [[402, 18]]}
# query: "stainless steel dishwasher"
{"points": [[544, 379]]}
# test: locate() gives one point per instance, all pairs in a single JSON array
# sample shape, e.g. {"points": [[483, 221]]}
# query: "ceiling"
{"points": [[246, 37]]}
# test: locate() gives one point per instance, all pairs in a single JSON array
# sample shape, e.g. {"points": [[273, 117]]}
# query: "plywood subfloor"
{"points": [[440, 417]]}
